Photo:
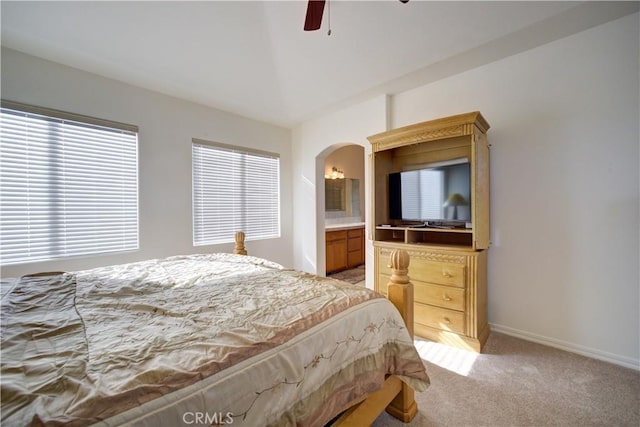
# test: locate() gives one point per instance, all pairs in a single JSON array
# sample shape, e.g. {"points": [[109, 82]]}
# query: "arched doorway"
{"points": [[340, 194]]}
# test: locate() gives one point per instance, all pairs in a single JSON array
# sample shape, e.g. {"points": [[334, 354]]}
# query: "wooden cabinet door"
{"points": [[336, 248], [355, 247], [336, 255]]}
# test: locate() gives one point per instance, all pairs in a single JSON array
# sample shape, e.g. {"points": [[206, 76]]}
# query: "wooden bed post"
{"points": [[394, 395], [400, 293], [240, 249]]}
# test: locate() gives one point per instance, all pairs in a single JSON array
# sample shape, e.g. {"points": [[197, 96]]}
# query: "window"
{"points": [[234, 189], [68, 185]]}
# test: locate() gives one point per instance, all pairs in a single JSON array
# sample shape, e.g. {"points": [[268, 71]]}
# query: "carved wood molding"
{"points": [[415, 138], [430, 256], [437, 256], [447, 127]]}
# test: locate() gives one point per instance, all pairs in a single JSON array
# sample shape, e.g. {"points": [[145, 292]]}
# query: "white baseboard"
{"points": [[616, 359]]}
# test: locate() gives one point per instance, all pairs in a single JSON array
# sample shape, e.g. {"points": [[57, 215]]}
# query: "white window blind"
{"points": [[234, 190], [67, 187]]}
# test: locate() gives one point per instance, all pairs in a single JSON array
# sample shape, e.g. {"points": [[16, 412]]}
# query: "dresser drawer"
{"points": [[383, 281], [354, 244], [336, 235], [441, 296], [442, 273], [440, 318], [355, 233], [384, 264]]}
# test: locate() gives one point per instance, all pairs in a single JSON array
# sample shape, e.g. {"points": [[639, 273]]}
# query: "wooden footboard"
{"points": [[394, 396]]}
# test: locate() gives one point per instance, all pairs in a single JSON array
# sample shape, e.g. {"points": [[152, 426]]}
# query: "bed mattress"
{"points": [[197, 339]]}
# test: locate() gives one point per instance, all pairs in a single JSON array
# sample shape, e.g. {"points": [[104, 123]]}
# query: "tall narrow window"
{"points": [[234, 189], [68, 185]]}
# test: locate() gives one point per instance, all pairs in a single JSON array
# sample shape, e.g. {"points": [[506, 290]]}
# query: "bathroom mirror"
{"points": [[342, 195]]}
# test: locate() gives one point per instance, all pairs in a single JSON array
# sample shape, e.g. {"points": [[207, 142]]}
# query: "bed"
{"points": [[209, 339]]}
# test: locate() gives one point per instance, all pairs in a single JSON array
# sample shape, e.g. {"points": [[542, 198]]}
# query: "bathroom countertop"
{"points": [[347, 226]]}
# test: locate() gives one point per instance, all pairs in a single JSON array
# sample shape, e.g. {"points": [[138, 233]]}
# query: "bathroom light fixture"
{"points": [[335, 174]]}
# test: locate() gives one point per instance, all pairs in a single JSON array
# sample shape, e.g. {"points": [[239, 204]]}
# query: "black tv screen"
{"points": [[439, 193]]}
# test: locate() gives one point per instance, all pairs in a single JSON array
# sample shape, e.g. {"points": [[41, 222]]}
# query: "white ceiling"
{"points": [[253, 58]]}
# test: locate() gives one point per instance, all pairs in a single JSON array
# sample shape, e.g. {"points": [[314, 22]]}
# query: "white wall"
{"points": [[563, 267], [313, 141], [166, 128], [564, 263]]}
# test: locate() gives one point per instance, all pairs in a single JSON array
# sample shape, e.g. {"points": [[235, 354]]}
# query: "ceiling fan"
{"points": [[315, 9]]}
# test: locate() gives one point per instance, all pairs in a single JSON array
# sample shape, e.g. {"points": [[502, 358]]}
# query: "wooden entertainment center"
{"points": [[448, 264]]}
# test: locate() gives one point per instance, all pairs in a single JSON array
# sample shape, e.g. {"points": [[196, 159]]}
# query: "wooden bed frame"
{"points": [[394, 396]]}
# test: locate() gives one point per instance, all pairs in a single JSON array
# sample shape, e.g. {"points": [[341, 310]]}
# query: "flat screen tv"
{"points": [[436, 193]]}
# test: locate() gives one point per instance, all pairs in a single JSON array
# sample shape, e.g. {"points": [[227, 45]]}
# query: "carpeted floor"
{"points": [[519, 383]]}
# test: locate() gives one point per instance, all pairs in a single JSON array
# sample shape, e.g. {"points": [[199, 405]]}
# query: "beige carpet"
{"points": [[519, 383]]}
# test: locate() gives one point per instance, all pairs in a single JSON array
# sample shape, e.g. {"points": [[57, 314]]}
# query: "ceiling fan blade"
{"points": [[314, 15]]}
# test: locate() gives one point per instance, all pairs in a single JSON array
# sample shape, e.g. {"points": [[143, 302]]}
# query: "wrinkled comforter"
{"points": [[214, 339]]}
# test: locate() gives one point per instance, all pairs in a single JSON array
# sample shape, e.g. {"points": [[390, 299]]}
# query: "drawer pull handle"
{"points": [[447, 321], [388, 265], [447, 274], [446, 297]]}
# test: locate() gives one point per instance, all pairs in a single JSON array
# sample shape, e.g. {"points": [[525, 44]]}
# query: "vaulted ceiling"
{"points": [[254, 59]]}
